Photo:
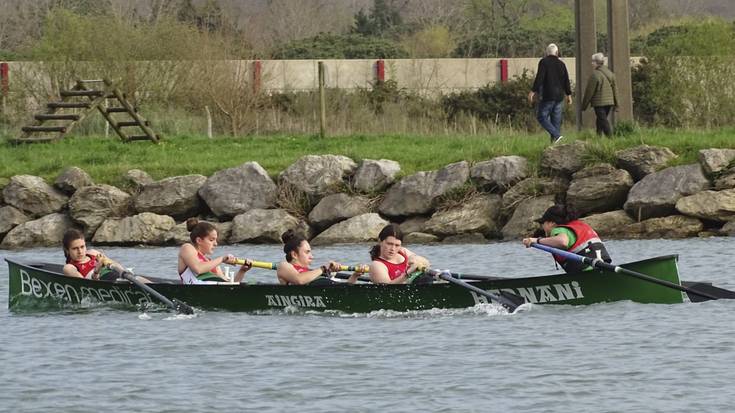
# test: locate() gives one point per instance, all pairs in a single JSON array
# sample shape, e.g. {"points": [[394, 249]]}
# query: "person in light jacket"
{"points": [[601, 93]]}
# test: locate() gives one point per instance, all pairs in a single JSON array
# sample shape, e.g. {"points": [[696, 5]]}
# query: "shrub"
{"points": [[337, 46]]}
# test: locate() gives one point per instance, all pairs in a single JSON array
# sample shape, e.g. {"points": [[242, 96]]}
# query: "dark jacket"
{"points": [[552, 80]]}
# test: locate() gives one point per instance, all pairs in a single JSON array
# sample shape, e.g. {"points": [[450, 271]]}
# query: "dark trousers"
{"points": [[603, 124]]}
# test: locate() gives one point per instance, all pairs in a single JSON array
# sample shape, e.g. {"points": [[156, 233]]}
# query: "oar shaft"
{"points": [[273, 266], [447, 276], [619, 270], [175, 305]]}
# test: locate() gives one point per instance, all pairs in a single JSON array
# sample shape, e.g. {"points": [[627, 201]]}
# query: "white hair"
{"points": [[598, 58], [552, 50]]}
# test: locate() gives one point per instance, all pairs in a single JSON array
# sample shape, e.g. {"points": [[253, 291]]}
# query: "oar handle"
{"points": [[364, 268], [256, 264]]}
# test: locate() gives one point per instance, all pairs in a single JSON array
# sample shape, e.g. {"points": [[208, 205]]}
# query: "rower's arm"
{"points": [[71, 271], [188, 255], [416, 261], [287, 274]]}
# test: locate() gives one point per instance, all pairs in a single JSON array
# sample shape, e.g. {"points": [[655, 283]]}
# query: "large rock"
{"points": [[643, 160], [417, 194], [523, 222], [362, 228], [47, 231], [420, 238], [479, 215], [337, 207], [263, 226], [716, 160], [3, 183], [657, 193], [318, 175], [11, 217], [71, 179], [413, 224], [531, 188], [136, 179], [673, 226], [598, 188], [145, 228], [374, 176], [468, 238], [33, 196], [609, 224], [179, 235], [91, 205], [725, 180], [564, 160], [710, 205], [176, 196], [728, 229], [499, 174], [233, 191]]}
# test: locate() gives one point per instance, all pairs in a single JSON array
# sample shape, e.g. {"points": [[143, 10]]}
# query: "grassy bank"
{"points": [[107, 159]]}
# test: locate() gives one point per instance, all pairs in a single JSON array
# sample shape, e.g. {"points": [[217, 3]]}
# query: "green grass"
{"points": [[107, 159]]}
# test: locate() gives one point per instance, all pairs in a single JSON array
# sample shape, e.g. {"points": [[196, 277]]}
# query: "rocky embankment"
{"points": [[333, 199]]}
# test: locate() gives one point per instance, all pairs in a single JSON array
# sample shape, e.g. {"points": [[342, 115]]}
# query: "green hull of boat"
{"points": [[42, 286]]}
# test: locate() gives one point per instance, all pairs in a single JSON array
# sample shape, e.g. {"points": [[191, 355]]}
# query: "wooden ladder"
{"points": [[76, 104]]}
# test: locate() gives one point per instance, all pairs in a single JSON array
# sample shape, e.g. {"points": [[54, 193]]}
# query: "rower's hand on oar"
{"points": [[417, 263], [331, 267], [228, 259], [528, 241]]}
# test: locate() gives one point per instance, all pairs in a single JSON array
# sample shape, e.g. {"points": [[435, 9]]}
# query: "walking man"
{"points": [[551, 86], [601, 92]]}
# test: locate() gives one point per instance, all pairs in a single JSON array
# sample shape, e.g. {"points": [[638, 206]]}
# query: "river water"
{"points": [[616, 357]]}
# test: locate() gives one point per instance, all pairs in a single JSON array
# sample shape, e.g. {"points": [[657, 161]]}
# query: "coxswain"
{"points": [[564, 231]]}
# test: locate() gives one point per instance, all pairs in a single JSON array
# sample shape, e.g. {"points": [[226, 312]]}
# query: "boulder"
{"points": [[725, 180], [232, 191], [179, 235], [609, 224], [598, 188], [532, 188], [374, 176], [469, 238], [413, 224], [33, 196], [47, 231], [709, 205], [478, 215], [643, 160], [362, 228], [11, 217], [673, 226], [135, 179], [318, 175], [176, 196], [716, 160], [499, 174], [264, 226], [91, 205], [564, 160], [420, 238], [337, 207], [71, 179], [3, 183], [144, 228], [523, 222], [728, 229], [417, 194], [656, 194]]}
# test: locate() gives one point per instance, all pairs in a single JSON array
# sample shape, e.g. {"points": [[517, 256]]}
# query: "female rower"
{"points": [[195, 264], [392, 263], [564, 231], [84, 263], [295, 269]]}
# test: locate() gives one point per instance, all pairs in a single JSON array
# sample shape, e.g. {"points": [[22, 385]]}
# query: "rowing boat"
{"points": [[42, 285]]}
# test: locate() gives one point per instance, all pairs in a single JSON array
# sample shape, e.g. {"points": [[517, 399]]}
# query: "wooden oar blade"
{"points": [[182, 307]]}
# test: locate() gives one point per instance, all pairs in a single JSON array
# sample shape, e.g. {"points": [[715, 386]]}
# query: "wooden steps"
{"points": [[74, 105]]}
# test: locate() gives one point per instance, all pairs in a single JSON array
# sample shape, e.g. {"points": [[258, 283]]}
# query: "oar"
{"points": [[598, 263], [174, 304], [272, 265], [509, 301]]}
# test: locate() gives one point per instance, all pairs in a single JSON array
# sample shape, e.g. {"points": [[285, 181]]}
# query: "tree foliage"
{"points": [[334, 46]]}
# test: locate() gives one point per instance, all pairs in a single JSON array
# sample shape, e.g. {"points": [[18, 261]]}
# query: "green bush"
{"points": [[340, 46]]}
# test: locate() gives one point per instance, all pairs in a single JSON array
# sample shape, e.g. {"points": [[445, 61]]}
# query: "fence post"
{"points": [[503, 70], [380, 71], [322, 102], [257, 71], [4, 85]]}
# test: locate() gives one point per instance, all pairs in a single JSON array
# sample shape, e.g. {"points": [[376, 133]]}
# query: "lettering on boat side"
{"points": [[307, 301], [34, 287], [539, 294]]}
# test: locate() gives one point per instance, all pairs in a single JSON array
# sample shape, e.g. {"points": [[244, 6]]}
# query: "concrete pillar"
{"points": [[617, 32], [584, 15]]}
